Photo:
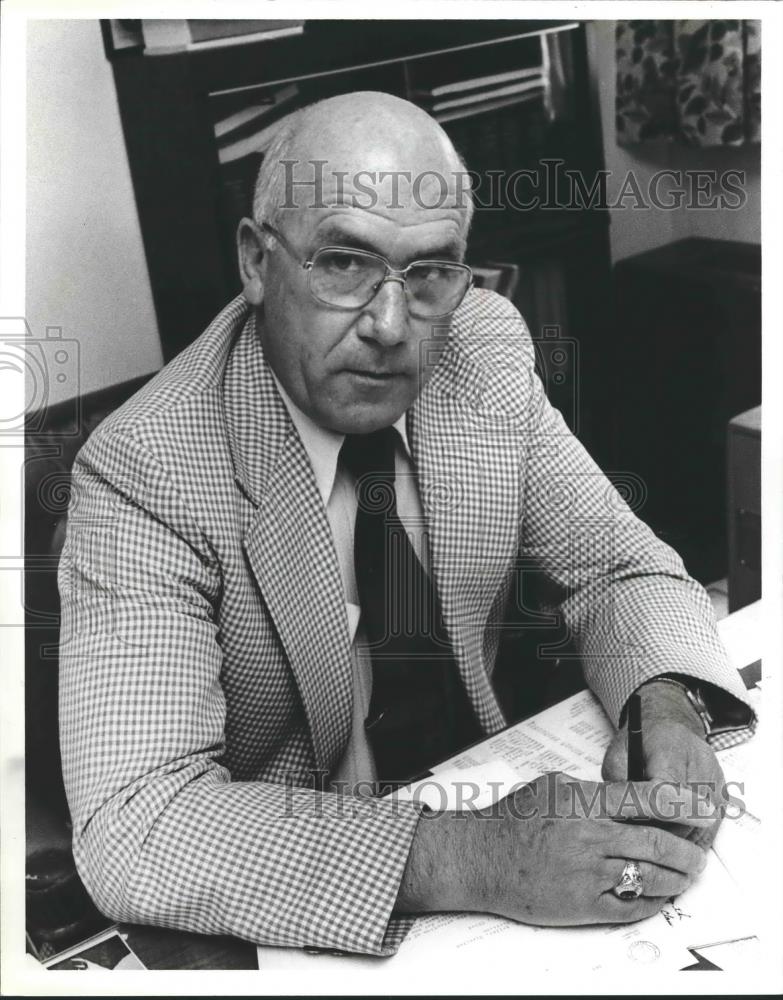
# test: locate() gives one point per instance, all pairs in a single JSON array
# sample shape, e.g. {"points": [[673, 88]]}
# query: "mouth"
{"points": [[372, 375]]}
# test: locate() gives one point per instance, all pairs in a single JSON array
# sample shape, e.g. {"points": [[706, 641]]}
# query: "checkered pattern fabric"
{"points": [[205, 661]]}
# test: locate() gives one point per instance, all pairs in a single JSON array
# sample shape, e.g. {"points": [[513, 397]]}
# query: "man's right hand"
{"points": [[552, 852]]}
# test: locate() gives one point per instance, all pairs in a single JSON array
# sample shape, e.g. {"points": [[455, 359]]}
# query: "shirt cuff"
{"points": [[726, 719]]}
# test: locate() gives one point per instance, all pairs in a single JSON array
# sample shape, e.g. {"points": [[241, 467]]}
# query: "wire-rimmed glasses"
{"points": [[349, 278]]}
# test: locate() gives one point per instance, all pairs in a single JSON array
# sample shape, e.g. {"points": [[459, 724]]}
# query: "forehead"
{"points": [[392, 177], [398, 237], [393, 210]]}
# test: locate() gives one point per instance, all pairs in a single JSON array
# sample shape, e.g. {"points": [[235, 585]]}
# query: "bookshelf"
{"points": [[510, 93]]}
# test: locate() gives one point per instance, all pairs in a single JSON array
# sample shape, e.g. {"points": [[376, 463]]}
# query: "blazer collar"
{"points": [[468, 493], [257, 423]]}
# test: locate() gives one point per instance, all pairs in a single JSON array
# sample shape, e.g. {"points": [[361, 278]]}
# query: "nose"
{"points": [[388, 313]]}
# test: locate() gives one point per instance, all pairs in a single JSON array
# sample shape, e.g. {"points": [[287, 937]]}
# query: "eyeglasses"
{"points": [[346, 278]]}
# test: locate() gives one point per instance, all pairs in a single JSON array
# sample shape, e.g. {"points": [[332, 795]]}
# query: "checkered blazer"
{"points": [[205, 661]]}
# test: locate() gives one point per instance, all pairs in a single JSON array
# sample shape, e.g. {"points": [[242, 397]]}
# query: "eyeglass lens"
{"points": [[349, 279]]}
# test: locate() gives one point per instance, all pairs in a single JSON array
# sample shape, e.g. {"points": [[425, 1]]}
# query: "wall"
{"points": [[633, 231], [86, 270]]}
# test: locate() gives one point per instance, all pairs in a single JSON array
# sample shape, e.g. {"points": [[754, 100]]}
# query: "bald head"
{"points": [[389, 133], [367, 148]]}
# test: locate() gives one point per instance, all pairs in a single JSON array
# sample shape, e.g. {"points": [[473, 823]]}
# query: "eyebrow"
{"points": [[333, 234]]}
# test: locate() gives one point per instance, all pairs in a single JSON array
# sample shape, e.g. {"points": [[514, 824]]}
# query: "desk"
{"points": [[741, 632]]}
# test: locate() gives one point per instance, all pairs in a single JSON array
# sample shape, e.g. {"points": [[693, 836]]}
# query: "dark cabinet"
{"points": [[686, 358], [744, 508]]}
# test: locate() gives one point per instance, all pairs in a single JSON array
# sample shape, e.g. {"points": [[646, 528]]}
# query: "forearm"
{"points": [[271, 864], [648, 626], [628, 603]]}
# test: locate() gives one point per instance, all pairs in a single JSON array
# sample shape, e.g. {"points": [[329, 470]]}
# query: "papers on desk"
{"points": [[742, 635], [457, 788], [739, 841], [572, 737]]}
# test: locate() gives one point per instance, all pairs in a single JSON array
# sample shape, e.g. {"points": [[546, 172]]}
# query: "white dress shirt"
{"points": [[356, 769]]}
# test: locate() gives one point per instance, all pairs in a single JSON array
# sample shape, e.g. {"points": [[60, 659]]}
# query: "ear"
{"points": [[251, 251]]}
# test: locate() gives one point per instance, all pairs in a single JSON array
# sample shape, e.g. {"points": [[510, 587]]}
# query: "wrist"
{"points": [[441, 874], [665, 700]]}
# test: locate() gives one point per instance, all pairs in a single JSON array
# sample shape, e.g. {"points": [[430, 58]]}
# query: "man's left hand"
{"points": [[674, 750]]}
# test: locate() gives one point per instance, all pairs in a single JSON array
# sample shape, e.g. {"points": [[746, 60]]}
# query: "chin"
{"points": [[364, 419]]}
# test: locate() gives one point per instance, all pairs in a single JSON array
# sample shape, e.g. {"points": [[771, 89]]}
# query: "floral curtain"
{"points": [[695, 81]]}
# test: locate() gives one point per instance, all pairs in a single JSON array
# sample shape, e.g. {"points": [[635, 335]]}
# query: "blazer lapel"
{"points": [[289, 546], [467, 481]]}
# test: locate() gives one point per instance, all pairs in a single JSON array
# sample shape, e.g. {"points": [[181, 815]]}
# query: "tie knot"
{"points": [[364, 454]]}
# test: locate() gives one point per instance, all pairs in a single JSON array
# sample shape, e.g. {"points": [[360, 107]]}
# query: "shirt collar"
{"points": [[322, 445]]}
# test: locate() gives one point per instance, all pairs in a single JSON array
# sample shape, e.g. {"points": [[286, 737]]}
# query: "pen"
{"points": [[635, 744]]}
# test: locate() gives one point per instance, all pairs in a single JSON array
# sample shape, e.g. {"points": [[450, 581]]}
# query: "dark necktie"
{"points": [[419, 711]]}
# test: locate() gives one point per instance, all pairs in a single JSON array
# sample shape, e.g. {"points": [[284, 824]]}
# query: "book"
{"points": [[491, 104], [258, 142], [460, 86], [484, 94], [251, 128], [441, 74], [205, 30], [126, 33], [239, 118], [163, 36]]}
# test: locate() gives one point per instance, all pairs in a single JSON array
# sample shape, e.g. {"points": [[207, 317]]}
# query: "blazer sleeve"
{"points": [[161, 833], [629, 605]]}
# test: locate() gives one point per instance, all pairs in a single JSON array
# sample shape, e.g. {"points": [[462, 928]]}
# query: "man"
{"points": [[226, 689]]}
